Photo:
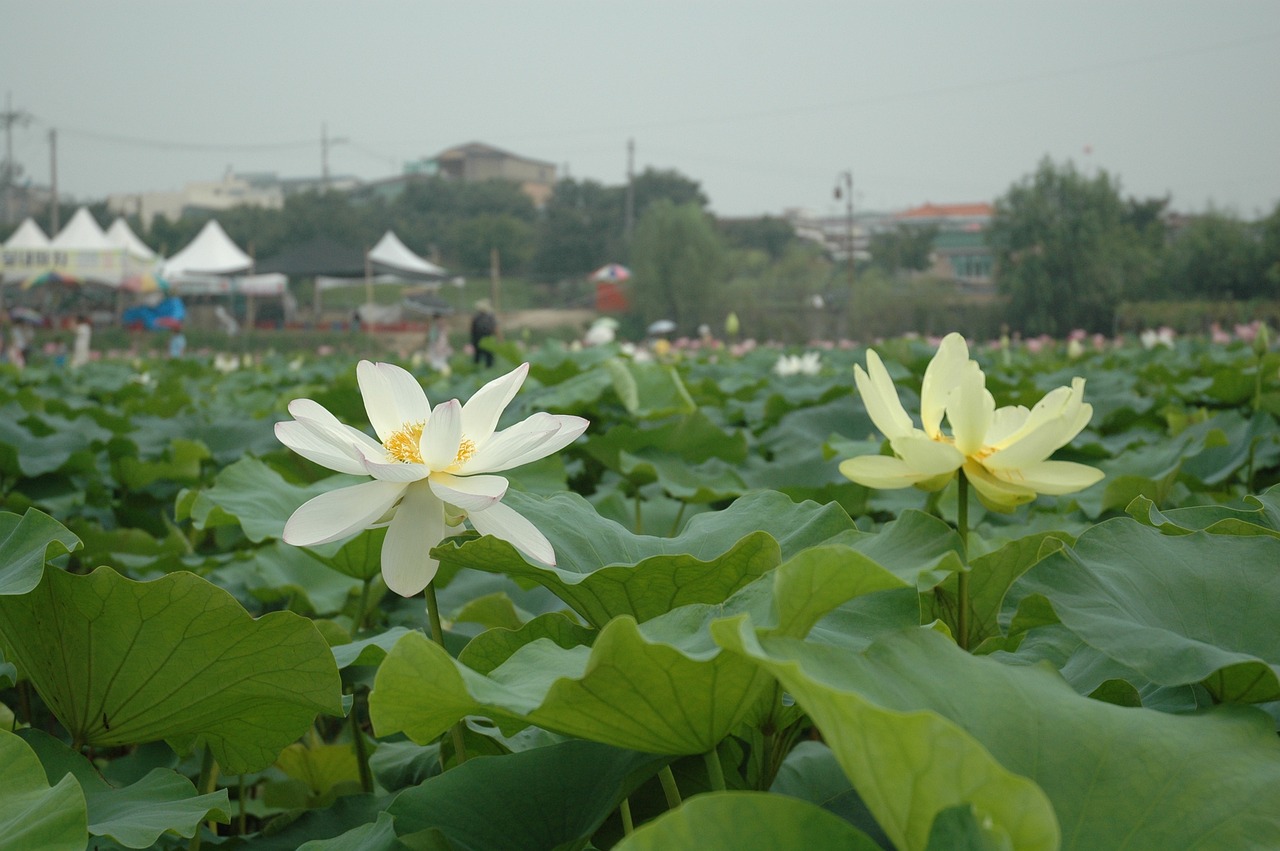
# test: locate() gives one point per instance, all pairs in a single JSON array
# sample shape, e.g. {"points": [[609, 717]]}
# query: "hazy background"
{"points": [[763, 103]]}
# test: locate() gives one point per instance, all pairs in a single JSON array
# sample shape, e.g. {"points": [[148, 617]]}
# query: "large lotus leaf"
{"points": [[747, 821], [491, 648], [257, 497], [279, 571], [181, 463], [1216, 519], [547, 797], [603, 570], [33, 815], [693, 437], [990, 577], [26, 543], [378, 835], [649, 390], [42, 448], [624, 691], [121, 662], [811, 772], [1231, 442], [136, 815], [1116, 777], [711, 481], [662, 687], [367, 651], [917, 547], [908, 764], [1177, 609]]}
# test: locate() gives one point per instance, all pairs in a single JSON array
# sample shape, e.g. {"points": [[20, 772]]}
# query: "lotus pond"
{"points": [[737, 647]]}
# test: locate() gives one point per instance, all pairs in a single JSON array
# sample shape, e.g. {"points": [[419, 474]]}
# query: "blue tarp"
{"points": [[168, 313]]}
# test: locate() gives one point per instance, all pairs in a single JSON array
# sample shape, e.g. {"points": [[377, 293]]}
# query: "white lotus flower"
{"points": [[1004, 452], [431, 468], [809, 363]]}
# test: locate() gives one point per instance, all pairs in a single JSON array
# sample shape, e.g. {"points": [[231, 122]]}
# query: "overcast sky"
{"points": [[763, 103]]}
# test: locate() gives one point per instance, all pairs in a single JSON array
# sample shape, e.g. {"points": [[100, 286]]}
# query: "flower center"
{"points": [[466, 449], [403, 444]]}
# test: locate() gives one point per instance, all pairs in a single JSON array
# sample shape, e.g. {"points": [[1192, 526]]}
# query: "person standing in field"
{"points": [[80, 343], [483, 324]]}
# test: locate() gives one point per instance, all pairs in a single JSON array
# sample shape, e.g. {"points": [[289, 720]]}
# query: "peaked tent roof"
{"points": [[82, 233], [28, 235], [211, 253], [318, 256], [391, 253], [122, 236]]}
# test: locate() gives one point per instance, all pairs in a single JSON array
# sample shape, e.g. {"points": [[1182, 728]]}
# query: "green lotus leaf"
{"points": [[181, 464], [811, 773], [134, 816], [711, 481], [649, 390], [692, 437], [548, 797], [491, 648], [121, 662], [278, 571], [26, 543], [747, 821], [604, 571], [367, 651], [258, 497], [47, 444], [1216, 519], [494, 610], [624, 691], [379, 835], [32, 814], [990, 577], [919, 725], [662, 686], [1176, 609]]}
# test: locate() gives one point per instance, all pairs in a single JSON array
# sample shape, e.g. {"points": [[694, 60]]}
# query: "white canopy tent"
{"points": [[122, 236], [80, 251], [391, 254], [211, 264]]}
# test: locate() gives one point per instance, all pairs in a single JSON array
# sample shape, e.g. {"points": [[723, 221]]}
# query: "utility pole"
{"points": [[9, 173], [630, 220], [54, 217], [844, 184], [325, 144], [846, 177]]}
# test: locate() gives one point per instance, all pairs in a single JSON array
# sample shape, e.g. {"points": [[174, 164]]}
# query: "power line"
{"points": [[172, 145]]}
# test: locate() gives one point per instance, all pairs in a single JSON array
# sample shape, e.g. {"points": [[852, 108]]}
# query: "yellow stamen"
{"points": [[466, 449], [403, 444]]}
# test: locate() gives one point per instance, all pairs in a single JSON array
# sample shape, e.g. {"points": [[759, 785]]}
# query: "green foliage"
{"points": [[1066, 252], [903, 248], [1216, 257], [678, 262], [720, 593]]}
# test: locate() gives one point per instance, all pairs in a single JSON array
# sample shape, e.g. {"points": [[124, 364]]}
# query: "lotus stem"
{"points": [[358, 744], [437, 635], [205, 785], [362, 605], [715, 771], [624, 810], [675, 526], [962, 579], [669, 787], [639, 521]]}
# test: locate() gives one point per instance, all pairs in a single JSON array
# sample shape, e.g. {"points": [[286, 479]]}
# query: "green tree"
{"points": [[1065, 251], [903, 247], [1216, 256], [1269, 252], [580, 230], [679, 264], [770, 234], [475, 238]]}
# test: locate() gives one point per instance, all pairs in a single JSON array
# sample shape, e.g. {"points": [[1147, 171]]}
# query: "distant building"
{"points": [[834, 233], [476, 161], [960, 250], [255, 189]]}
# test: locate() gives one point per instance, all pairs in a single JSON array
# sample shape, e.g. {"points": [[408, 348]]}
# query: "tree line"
{"points": [[1069, 250]]}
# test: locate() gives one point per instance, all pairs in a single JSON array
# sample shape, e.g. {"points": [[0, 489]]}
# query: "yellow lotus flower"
{"points": [[1003, 451]]}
